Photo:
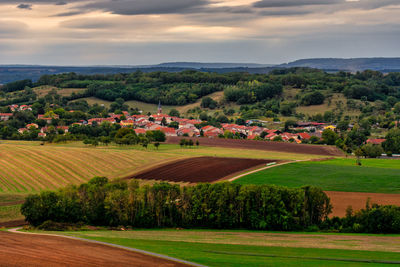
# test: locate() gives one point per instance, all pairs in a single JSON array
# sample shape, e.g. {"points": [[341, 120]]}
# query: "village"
{"points": [[301, 132]]}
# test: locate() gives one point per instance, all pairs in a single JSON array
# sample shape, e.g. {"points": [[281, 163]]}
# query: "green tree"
{"points": [[174, 113], [329, 137]]}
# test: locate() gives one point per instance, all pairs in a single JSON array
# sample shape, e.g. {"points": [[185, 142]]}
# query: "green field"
{"points": [[251, 248], [375, 175]]}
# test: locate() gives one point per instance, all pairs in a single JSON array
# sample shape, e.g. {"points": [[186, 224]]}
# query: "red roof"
{"points": [[375, 141], [305, 136], [168, 130], [140, 131], [251, 137]]}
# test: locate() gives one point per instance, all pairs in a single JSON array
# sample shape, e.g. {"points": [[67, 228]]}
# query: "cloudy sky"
{"points": [[130, 32]]}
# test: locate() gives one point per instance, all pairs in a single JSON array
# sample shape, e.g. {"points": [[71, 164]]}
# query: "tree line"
{"points": [[222, 205]]}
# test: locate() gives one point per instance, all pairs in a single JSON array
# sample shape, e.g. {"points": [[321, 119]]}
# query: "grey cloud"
{"points": [[25, 6], [138, 7], [292, 3], [336, 4], [68, 14]]}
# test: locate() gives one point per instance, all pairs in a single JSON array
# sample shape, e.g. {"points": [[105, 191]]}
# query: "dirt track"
{"points": [[341, 200], [263, 145], [201, 169], [36, 250]]}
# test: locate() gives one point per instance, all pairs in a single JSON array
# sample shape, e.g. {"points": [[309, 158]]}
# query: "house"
{"points": [[64, 128], [140, 131], [376, 141], [22, 130], [304, 136], [48, 119], [255, 130], [151, 126], [251, 137], [5, 116], [211, 131], [100, 120], [34, 125], [126, 123], [168, 131], [192, 131]]}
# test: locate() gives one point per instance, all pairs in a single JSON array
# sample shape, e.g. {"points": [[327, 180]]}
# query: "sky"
{"points": [[134, 32]]}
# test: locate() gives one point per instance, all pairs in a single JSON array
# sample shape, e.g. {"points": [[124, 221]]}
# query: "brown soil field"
{"points": [[341, 200], [263, 145], [200, 169], [40, 250]]}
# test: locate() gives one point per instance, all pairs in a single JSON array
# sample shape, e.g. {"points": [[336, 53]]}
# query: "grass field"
{"points": [[251, 248], [329, 105], [147, 107], [41, 91], [375, 175]]}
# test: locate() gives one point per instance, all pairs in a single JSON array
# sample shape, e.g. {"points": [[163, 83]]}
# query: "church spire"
{"points": [[159, 110]]}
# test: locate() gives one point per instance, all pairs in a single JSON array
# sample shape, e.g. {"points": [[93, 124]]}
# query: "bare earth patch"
{"points": [[341, 200], [200, 169], [37, 250], [264, 145]]}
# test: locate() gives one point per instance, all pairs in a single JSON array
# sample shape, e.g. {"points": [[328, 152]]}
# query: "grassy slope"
{"points": [[225, 254], [41, 91], [375, 175], [148, 107]]}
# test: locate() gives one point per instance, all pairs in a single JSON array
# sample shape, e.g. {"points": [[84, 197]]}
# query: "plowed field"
{"points": [[37, 250], [201, 169], [341, 200], [264, 145]]}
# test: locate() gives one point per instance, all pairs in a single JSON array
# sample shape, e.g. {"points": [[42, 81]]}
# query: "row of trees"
{"points": [[221, 205]]}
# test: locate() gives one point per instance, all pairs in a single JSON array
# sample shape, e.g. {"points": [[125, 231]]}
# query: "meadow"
{"points": [[253, 248], [375, 175]]}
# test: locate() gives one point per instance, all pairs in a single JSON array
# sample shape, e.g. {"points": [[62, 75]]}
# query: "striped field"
{"points": [[30, 167]]}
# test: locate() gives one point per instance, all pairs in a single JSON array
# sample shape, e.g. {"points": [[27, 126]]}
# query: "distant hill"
{"points": [[351, 64], [197, 65], [9, 73]]}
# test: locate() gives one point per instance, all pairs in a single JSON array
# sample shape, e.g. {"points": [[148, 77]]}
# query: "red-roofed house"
{"points": [[304, 136], [375, 141], [192, 131], [28, 126], [5, 116], [140, 131], [168, 131], [22, 130], [211, 131]]}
